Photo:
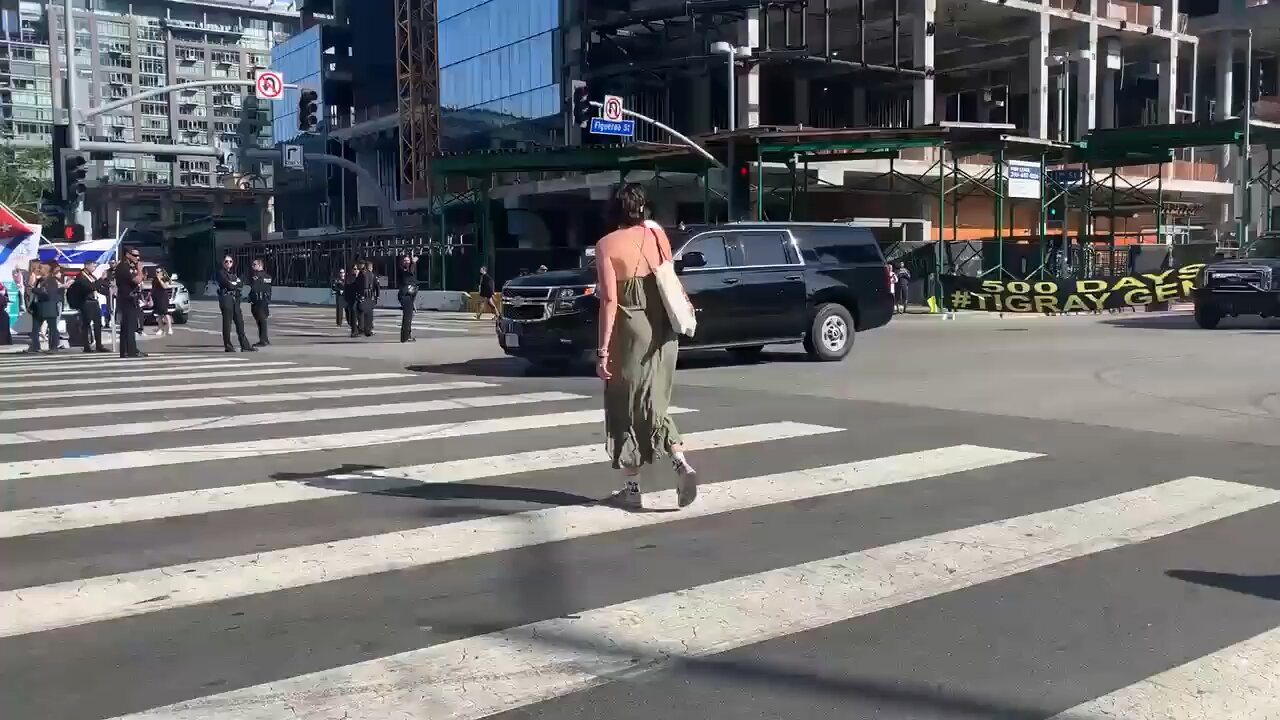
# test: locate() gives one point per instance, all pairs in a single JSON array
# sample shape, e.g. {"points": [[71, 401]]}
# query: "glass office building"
{"points": [[499, 73]]}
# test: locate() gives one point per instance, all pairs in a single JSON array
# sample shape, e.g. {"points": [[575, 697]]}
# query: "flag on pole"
{"points": [[19, 241]]}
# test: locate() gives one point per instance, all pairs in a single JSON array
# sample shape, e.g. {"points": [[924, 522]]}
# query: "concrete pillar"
{"points": [[859, 106], [801, 114], [922, 92], [1087, 82], [749, 78], [1038, 80], [1167, 107], [700, 113], [1108, 64], [1223, 100]]}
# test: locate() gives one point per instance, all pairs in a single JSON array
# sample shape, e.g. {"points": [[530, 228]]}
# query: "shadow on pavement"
{"points": [[1263, 586], [625, 661], [514, 367], [1185, 321]]}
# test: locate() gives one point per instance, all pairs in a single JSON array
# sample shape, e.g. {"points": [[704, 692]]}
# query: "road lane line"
{"points": [[134, 459], [222, 422], [345, 378], [484, 675], [270, 369], [111, 361], [175, 372], [221, 401], [1238, 682], [36, 609], [235, 497]]}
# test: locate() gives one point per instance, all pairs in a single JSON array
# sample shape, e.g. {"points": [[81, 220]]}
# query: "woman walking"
{"points": [[160, 302], [637, 355]]}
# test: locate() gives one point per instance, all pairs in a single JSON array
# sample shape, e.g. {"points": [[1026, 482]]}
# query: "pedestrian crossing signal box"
{"points": [[68, 232]]}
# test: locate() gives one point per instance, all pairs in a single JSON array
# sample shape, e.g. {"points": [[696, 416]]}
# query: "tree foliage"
{"points": [[25, 174]]}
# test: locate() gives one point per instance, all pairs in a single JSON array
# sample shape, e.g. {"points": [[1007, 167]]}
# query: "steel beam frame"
{"points": [[418, 94]]}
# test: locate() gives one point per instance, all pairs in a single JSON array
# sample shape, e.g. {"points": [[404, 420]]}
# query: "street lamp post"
{"points": [[731, 54]]}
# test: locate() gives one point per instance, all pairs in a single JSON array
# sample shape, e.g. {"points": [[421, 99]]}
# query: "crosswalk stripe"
{"points": [[178, 370], [192, 387], [113, 360], [219, 422], [35, 521], [484, 675], [35, 609], [271, 368], [220, 401], [134, 459], [1239, 681]]}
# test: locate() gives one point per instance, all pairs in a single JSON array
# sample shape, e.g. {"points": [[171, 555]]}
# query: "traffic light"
{"points": [[73, 174], [739, 192], [68, 232], [1055, 215], [307, 109], [581, 104]]}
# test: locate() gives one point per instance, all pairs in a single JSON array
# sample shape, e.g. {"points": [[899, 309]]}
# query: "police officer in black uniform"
{"points": [[260, 300], [407, 293], [339, 288], [370, 291], [128, 296], [351, 295], [229, 286], [82, 295]]}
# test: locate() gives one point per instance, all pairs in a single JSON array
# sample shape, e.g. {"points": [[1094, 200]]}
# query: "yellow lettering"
{"points": [[1187, 287], [1018, 287], [1099, 300], [995, 300], [982, 300], [1090, 285], [1046, 303], [1137, 296], [1157, 277], [992, 286], [1074, 303], [1189, 272], [1167, 291], [1018, 303], [1129, 282], [1046, 287]]}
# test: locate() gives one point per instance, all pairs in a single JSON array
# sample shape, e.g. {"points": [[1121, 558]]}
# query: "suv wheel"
{"points": [[1207, 317], [180, 318], [831, 335]]}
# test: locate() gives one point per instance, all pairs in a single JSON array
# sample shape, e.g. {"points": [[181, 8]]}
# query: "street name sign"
{"points": [[619, 128]]}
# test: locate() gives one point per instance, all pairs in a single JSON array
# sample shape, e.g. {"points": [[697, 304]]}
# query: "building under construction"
{"points": [[486, 155]]}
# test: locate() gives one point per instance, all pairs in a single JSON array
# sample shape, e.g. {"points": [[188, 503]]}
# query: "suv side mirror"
{"points": [[691, 259], [173, 276]]}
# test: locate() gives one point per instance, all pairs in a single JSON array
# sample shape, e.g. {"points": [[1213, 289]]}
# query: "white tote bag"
{"points": [[679, 310]]}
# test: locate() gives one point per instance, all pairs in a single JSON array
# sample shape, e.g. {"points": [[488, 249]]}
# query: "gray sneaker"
{"points": [[687, 484], [628, 498]]}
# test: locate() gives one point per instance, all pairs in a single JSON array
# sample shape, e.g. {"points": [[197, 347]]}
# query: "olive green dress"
{"points": [[642, 352]]}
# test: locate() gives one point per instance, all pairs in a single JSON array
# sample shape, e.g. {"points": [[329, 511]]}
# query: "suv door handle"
{"points": [[730, 281], [793, 277]]}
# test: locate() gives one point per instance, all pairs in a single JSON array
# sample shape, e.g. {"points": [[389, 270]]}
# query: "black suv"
{"points": [[752, 284]]}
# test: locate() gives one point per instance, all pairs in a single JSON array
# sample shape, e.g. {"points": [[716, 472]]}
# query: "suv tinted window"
{"points": [[843, 246], [762, 248], [712, 248]]}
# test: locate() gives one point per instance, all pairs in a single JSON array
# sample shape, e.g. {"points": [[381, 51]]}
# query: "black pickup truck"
{"points": [[751, 284], [1231, 288]]}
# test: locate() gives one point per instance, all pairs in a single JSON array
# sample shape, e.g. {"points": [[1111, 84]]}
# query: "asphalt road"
{"points": [[978, 518]]}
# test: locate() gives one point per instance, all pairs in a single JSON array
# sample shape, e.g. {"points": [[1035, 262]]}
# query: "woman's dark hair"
{"points": [[628, 205]]}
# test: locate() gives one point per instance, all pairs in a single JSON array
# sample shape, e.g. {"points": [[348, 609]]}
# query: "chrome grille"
{"points": [[1239, 278]]}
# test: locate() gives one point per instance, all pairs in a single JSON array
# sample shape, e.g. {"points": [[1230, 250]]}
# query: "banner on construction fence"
{"points": [[1068, 294]]}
